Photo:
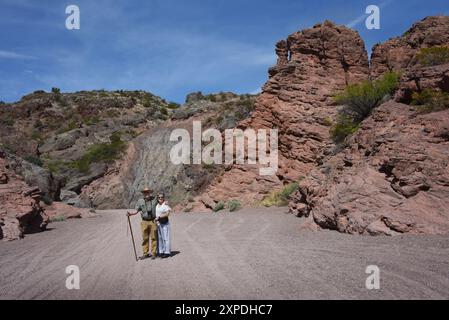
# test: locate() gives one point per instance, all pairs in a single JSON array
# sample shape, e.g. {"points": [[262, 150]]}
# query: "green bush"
{"points": [[234, 205], [358, 102], [219, 206], [34, 160], [57, 219], [164, 111], [55, 90], [433, 56], [173, 105], [280, 198], [54, 166], [101, 152], [360, 99], [92, 120], [47, 200], [344, 127], [7, 122], [431, 100]]}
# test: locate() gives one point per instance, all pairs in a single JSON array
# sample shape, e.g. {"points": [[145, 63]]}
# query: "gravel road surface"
{"points": [[249, 254]]}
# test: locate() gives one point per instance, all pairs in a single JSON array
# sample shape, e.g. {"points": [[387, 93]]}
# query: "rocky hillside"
{"points": [[147, 157], [72, 138]]}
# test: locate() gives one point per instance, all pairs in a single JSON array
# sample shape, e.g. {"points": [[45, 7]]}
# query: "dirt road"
{"points": [[250, 254]]}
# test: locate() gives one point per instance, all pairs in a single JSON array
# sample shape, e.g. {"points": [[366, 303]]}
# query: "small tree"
{"points": [[55, 90]]}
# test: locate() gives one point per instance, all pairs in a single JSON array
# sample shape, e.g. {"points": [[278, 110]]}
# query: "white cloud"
{"points": [[14, 55]]}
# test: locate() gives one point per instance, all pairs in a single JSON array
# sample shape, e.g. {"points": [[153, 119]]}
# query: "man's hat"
{"points": [[146, 189]]}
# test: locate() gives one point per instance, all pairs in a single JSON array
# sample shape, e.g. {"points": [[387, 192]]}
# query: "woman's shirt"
{"points": [[162, 209]]}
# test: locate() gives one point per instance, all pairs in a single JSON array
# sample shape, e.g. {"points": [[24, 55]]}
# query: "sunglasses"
{"points": [[160, 197]]}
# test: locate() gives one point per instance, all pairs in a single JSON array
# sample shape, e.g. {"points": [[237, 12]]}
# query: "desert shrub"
{"points": [[132, 133], [57, 219], [430, 100], [173, 105], [219, 206], [433, 56], [101, 152], [234, 205], [7, 121], [38, 124], [71, 125], [328, 122], [47, 200], [92, 120], [344, 127], [54, 166], [358, 102], [361, 98], [112, 113], [280, 198], [164, 111], [55, 90], [37, 136], [211, 98], [34, 160]]}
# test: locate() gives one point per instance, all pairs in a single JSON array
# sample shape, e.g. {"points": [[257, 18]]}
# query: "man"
{"points": [[146, 206]]}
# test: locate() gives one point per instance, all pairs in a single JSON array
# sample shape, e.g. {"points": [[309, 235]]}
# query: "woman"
{"points": [[163, 229]]}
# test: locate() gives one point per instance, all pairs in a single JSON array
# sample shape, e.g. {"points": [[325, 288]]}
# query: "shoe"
{"points": [[165, 255], [144, 256]]}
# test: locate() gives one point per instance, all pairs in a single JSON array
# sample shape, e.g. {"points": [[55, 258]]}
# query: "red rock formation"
{"points": [[20, 211], [393, 178], [297, 100], [418, 78], [399, 53]]}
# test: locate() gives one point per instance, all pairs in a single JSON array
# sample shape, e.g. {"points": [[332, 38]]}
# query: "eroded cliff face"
{"points": [[297, 100], [392, 177], [147, 159]]}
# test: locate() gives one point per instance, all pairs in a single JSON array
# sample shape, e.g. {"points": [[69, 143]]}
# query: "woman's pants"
{"points": [[163, 232]]}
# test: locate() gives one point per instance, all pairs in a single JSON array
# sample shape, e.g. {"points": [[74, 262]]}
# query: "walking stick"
{"points": [[132, 237]]}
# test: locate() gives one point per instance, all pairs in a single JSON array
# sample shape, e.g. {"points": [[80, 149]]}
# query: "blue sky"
{"points": [[170, 47]]}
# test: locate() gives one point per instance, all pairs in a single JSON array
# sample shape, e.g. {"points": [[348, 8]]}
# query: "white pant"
{"points": [[163, 232]]}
